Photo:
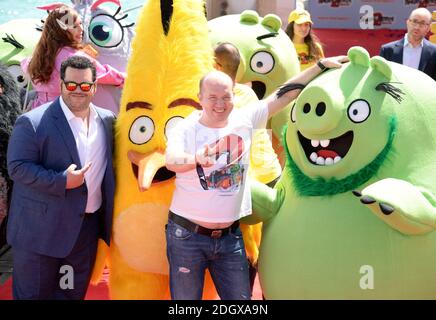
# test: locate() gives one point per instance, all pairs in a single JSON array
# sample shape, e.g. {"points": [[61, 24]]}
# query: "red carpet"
{"points": [[100, 292], [338, 41]]}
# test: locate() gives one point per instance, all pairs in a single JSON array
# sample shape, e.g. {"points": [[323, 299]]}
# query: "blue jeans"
{"points": [[189, 254]]}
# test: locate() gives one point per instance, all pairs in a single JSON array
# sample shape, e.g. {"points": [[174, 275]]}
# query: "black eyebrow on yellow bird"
{"points": [[166, 12], [185, 102], [138, 104]]}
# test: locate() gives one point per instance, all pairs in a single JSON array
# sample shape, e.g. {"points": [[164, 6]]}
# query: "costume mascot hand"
{"points": [[170, 54], [354, 214]]}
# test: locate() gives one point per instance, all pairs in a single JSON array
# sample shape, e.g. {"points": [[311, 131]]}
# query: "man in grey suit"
{"points": [[60, 159], [414, 50]]}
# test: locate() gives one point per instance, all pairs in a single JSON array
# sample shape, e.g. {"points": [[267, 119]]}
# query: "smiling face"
{"points": [[76, 30], [216, 99], [328, 151], [339, 132], [301, 31], [107, 30]]}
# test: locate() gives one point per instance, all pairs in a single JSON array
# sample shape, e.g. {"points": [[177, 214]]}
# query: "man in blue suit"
{"points": [[414, 50], [60, 159]]}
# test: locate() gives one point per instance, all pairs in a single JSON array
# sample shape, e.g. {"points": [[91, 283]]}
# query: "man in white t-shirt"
{"points": [[209, 151]]}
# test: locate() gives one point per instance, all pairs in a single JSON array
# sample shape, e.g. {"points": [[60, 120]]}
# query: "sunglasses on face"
{"points": [[84, 86]]}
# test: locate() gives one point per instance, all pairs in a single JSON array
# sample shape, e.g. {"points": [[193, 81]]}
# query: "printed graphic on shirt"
{"points": [[227, 151], [304, 58]]}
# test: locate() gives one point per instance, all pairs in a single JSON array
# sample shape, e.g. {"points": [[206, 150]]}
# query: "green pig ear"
{"points": [[273, 21], [382, 66], [359, 55], [249, 16]]}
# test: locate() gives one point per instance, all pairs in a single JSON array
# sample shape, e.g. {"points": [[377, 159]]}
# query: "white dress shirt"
{"points": [[91, 146], [411, 55]]}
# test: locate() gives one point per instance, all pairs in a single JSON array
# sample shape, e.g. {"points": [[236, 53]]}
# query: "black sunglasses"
{"points": [[201, 176]]}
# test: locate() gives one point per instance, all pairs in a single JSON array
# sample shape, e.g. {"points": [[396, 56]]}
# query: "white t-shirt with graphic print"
{"points": [[219, 193]]}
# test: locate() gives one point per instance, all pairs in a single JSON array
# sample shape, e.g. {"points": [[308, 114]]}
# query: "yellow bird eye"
{"points": [[141, 130], [171, 124]]}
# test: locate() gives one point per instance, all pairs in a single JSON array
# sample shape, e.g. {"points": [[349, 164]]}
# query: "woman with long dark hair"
{"points": [[61, 38], [306, 43]]}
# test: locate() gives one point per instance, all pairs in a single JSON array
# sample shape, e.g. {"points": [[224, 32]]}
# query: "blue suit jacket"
{"points": [[44, 217], [393, 51]]}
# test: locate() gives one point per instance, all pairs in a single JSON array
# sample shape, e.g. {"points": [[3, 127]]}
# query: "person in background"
{"points": [[61, 38], [414, 50], [306, 43]]}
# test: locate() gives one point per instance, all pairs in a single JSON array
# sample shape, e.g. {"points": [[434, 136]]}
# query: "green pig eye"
{"points": [[262, 62]]}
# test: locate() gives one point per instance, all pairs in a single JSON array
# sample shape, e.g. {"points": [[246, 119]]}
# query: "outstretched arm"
{"points": [[402, 205]]}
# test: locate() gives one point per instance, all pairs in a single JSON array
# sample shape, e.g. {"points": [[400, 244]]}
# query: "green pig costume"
{"points": [[354, 213], [268, 56]]}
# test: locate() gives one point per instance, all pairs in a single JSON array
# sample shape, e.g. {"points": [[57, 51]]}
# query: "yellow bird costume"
{"points": [[170, 53]]}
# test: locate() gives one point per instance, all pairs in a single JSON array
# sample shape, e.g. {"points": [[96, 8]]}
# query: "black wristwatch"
{"points": [[321, 66]]}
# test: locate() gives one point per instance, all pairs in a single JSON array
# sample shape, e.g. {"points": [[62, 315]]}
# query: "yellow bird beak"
{"points": [[147, 166]]}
